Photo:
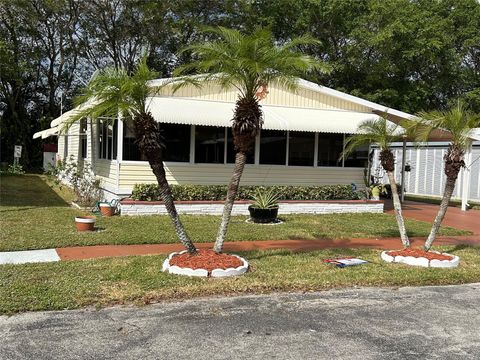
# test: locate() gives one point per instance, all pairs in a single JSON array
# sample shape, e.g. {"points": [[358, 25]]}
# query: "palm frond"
{"points": [[249, 61], [458, 121], [113, 91], [381, 132]]}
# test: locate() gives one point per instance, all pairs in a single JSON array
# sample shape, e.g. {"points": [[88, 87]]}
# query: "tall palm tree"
{"points": [[383, 133], [459, 122], [114, 91], [248, 63]]}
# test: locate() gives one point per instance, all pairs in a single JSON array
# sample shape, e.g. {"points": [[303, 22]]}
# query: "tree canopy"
{"points": [[413, 55]]}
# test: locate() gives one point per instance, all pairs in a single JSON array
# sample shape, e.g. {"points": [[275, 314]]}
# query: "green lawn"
{"points": [[34, 214], [138, 280]]}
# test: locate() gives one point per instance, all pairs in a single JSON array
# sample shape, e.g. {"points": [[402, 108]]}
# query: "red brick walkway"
{"points": [[455, 217], [90, 252], [425, 212]]}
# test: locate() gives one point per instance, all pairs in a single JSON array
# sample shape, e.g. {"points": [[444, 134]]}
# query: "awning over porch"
{"points": [[46, 133], [215, 113]]}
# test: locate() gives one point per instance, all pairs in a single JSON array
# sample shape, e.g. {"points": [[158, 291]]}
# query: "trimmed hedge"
{"points": [[150, 192]]}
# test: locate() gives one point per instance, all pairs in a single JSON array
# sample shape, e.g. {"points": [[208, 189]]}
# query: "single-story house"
{"points": [[303, 135]]}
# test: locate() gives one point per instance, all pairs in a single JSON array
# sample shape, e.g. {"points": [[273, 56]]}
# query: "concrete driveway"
{"points": [[405, 323]]}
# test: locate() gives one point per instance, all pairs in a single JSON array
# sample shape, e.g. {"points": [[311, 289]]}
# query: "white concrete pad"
{"points": [[29, 256]]}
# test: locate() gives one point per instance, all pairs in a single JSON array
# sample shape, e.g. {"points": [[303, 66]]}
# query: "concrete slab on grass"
{"points": [[29, 256]]}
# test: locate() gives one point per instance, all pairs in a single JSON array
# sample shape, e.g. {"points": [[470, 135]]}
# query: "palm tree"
{"points": [[114, 92], [383, 133], [248, 63], [459, 122]]}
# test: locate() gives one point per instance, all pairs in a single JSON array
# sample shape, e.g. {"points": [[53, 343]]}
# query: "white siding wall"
{"points": [[427, 176], [60, 147], [74, 141], [106, 171]]}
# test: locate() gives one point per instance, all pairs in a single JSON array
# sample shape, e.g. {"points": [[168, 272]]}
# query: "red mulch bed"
{"points": [[206, 259], [420, 253]]}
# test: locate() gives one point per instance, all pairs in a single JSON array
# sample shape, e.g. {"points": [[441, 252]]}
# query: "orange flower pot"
{"points": [[85, 223], [107, 210]]}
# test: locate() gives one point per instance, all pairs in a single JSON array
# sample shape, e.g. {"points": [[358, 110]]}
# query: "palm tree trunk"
{"points": [[150, 143], [240, 159], [447, 194], [453, 163], [167, 197], [397, 207]]}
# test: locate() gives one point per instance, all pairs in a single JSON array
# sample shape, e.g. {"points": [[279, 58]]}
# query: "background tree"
{"points": [[459, 122], [382, 132], [38, 67], [248, 63], [115, 91], [410, 55]]}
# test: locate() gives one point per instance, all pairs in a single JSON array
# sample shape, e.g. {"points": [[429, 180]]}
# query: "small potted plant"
{"points": [[265, 206]]}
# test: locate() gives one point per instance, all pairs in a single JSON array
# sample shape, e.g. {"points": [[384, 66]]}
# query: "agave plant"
{"points": [[265, 199]]}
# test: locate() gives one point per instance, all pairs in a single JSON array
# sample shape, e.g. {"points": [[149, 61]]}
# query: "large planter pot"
{"points": [[85, 223], [263, 216], [106, 209]]}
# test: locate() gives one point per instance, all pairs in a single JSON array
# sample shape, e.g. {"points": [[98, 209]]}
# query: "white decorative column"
{"points": [[466, 176], [119, 158]]}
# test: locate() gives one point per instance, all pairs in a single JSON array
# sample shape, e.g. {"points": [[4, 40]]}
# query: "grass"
{"points": [[35, 214], [138, 280]]}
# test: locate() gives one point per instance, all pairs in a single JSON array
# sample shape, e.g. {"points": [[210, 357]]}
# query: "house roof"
{"points": [[201, 111], [202, 108]]}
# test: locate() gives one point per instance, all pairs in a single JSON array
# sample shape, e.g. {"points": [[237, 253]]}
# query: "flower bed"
{"points": [[419, 257], [205, 263]]}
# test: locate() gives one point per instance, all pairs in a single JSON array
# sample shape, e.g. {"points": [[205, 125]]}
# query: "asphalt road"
{"points": [[406, 323]]}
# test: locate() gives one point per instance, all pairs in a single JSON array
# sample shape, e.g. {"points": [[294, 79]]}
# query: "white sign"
{"points": [[18, 151]]}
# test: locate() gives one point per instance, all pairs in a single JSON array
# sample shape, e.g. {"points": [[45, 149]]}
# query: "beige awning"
{"points": [[214, 113], [70, 114], [46, 133]]}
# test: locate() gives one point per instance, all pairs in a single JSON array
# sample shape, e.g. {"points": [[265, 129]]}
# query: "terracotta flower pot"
{"points": [[85, 223], [106, 209]]}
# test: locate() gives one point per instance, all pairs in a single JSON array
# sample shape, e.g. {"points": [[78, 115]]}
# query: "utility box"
{"points": [[49, 155]]}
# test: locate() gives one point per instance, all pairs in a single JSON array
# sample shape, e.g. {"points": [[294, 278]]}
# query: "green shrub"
{"points": [[13, 169], [150, 192]]}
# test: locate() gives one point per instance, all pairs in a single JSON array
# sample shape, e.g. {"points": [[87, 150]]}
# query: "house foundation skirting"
{"points": [[132, 208]]}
